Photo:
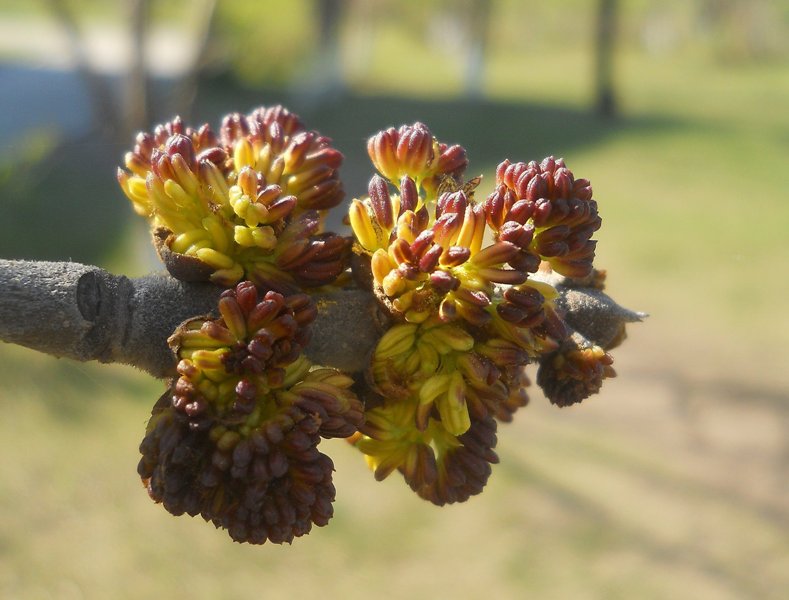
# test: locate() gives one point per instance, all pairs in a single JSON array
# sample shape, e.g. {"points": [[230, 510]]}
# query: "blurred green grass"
{"points": [[670, 484]]}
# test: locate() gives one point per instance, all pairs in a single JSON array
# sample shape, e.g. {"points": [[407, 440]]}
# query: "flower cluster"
{"points": [[246, 203], [454, 275], [234, 439], [469, 292], [556, 210], [574, 373]]}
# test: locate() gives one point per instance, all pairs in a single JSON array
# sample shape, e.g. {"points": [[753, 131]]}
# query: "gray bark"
{"points": [[85, 313]]}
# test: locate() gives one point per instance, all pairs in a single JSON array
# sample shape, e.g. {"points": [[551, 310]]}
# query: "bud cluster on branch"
{"points": [[409, 339]]}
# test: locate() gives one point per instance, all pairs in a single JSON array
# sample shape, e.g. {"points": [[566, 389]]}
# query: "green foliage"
{"points": [[267, 41]]}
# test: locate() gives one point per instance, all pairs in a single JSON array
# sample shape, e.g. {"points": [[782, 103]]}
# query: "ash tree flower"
{"points": [[455, 277], [235, 437], [469, 290], [556, 209], [247, 203]]}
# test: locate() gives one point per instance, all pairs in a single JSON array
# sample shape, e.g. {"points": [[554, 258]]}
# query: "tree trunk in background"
{"points": [[605, 96], [186, 89], [135, 93], [479, 25], [105, 115], [329, 60]]}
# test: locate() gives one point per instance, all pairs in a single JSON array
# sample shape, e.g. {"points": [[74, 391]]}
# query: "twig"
{"points": [[85, 313]]}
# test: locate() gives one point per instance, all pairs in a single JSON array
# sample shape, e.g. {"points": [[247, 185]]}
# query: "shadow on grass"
{"points": [[605, 531], [72, 391]]}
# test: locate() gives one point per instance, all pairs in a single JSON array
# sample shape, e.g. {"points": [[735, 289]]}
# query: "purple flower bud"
{"points": [[454, 202], [234, 126], [252, 365], [382, 151], [281, 208], [408, 271], [246, 390], [422, 219], [563, 183], [495, 208], [381, 201], [495, 254], [422, 242], [473, 297], [536, 189], [401, 251], [430, 258], [525, 261], [296, 151], [476, 315], [452, 159], [325, 195], [447, 227], [514, 232], [259, 348], [548, 164], [275, 136], [266, 195], [443, 281], [553, 326], [552, 242], [263, 312], [507, 276], [501, 169], [246, 296], [184, 387], [415, 148], [525, 173], [326, 155], [542, 212], [455, 256], [510, 312], [521, 211], [409, 196], [214, 155], [206, 138], [160, 164]]}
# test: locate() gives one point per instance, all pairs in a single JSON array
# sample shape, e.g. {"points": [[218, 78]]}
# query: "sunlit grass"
{"points": [[581, 506]]}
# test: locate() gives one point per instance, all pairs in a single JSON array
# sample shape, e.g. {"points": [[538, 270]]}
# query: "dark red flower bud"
{"points": [[430, 258], [381, 201], [536, 189], [447, 227], [451, 160], [515, 233], [455, 256], [496, 208], [454, 202], [409, 196], [422, 243], [443, 281]]}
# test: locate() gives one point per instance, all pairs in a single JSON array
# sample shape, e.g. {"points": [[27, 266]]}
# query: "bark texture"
{"points": [[84, 313]]}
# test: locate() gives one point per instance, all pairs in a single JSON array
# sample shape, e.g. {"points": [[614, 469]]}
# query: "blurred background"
{"points": [[672, 483]]}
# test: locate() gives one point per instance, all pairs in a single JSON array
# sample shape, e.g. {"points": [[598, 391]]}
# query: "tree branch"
{"points": [[85, 313]]}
